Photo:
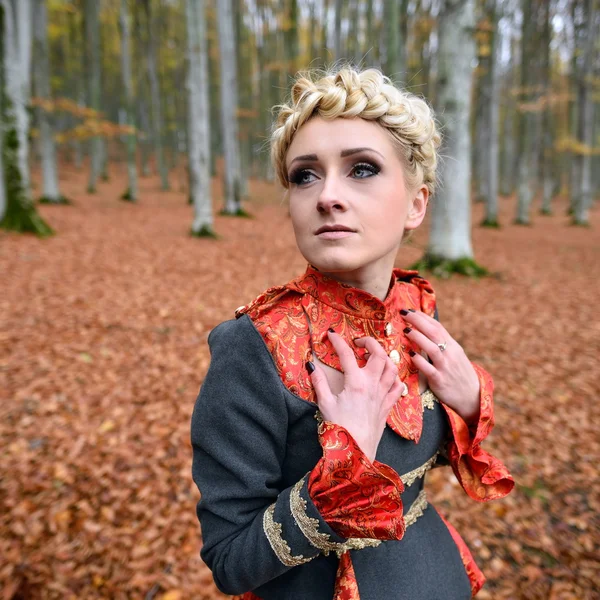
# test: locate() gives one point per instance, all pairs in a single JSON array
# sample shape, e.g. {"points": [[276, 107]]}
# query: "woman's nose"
{"points": [[331, 199]]}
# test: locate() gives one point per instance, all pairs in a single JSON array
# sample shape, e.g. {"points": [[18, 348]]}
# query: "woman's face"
{"points": [[348, 200]]}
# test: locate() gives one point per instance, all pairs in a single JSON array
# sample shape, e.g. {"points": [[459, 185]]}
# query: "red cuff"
{"points": [[358, 498], [481, 475]]}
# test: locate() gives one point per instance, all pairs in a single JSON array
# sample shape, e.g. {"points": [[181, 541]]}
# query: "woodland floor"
{"points": [[103, 332]]}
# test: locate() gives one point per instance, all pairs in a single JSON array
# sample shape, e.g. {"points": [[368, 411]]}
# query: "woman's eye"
{"points": [[302, 176], [364, 170]]}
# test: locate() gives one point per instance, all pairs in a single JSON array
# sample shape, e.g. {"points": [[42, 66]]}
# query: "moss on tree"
{"points": [[240, 212], [21, 214], [205, 232], [491, 223], [126, 196], [445, 268], [523, 222], [60, 200]]}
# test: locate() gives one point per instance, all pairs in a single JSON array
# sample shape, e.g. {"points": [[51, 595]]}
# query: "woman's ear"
{"points": [[417, 209]]}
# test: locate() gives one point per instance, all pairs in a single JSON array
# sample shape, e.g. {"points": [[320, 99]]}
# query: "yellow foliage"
{"points": [[570, 144], [95, 128], [485, 50]]}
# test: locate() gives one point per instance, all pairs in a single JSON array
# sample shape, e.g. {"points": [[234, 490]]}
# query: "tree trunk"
{"points": [[41, 81], [155, 99], [337, 32], [244, 68], [548, 168], [395, 24], [450, 248], [491, 207], [131, 194], [585, 122], [19, 213], [526, 175], [199, 119], [92, 34], [508, 162], [391, 18], [229, 103]]}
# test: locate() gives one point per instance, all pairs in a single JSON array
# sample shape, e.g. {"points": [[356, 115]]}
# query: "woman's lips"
{"points": [[335, 235]]}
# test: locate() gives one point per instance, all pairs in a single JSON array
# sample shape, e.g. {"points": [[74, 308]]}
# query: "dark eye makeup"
{"points": [[300, 175]]}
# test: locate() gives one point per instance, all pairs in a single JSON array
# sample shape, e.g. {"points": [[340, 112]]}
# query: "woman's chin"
{"points": [[334, 264]]}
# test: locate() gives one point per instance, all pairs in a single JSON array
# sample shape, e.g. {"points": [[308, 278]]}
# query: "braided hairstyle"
{"points": [[349, 92]]}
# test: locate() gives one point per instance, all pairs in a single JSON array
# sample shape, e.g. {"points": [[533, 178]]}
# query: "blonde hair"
{"points": [[348, 92]]}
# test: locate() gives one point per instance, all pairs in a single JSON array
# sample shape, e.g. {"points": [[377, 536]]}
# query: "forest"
{"points": [[139, 208]]}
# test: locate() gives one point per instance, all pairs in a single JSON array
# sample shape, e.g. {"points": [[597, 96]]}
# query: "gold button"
{"points": [[395, 356], [388, 329]]}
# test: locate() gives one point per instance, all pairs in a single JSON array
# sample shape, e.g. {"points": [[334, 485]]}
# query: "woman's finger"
{"points": [[424, 366], [378, 359], [320, 383], [425, 343], [389, 375], [393, 395], [428, 326], [345, 354]]}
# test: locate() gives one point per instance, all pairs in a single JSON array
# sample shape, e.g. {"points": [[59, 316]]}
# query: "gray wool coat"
{"points": [[253, 440]]}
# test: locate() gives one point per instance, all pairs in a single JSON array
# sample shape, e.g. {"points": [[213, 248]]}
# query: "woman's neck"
{"points": [[376, 284]]}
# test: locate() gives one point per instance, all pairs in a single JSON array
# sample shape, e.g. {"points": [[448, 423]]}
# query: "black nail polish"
{"points": [[411, 310], [310, 367], [412, 352], [407, 330], [331, 330], [403, 312]]}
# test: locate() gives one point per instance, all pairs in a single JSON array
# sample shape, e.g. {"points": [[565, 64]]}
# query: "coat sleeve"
{"points": [[482, 476], [253, 528], [238, 434]]}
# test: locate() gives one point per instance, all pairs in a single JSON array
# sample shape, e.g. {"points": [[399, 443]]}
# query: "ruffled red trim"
{"points": [[358, 498], [482, 476]]}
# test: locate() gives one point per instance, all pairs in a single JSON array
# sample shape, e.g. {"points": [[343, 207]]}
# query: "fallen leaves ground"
{"points": [[103, 334]]}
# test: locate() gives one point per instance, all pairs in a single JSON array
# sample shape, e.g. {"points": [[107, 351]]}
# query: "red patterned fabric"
{"points": [[346, 586], [294, 319], [357, 498], [476, 577], [481, 475]]}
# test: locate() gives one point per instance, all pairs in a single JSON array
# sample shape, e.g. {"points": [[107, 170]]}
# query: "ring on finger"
{"points": [[442, 346]]}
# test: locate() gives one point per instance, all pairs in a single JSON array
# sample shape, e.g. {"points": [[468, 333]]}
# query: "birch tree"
{"points": [[492, 156], [155, 98], [585, 120], [527, 124], [229, 103], [41, 81], [131, 194], [548, 170], [450, 249], [19, 213], [199, 119], [92, 34], [337, 30]]}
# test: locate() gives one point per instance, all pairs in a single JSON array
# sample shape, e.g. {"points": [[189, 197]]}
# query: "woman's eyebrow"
{"points": [[343, 154], [351, 151]]}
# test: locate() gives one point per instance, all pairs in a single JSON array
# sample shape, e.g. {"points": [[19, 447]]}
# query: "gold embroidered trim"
{"points": [[281, 548], [428, 398], [410, 477], [310, 526], [416, 509]]}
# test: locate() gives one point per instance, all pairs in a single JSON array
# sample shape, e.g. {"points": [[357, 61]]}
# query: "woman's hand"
{"points": [[368, 395], [451, 377]]}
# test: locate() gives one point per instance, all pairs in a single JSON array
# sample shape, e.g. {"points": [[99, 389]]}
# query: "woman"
{"points": [[329, 398]]}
